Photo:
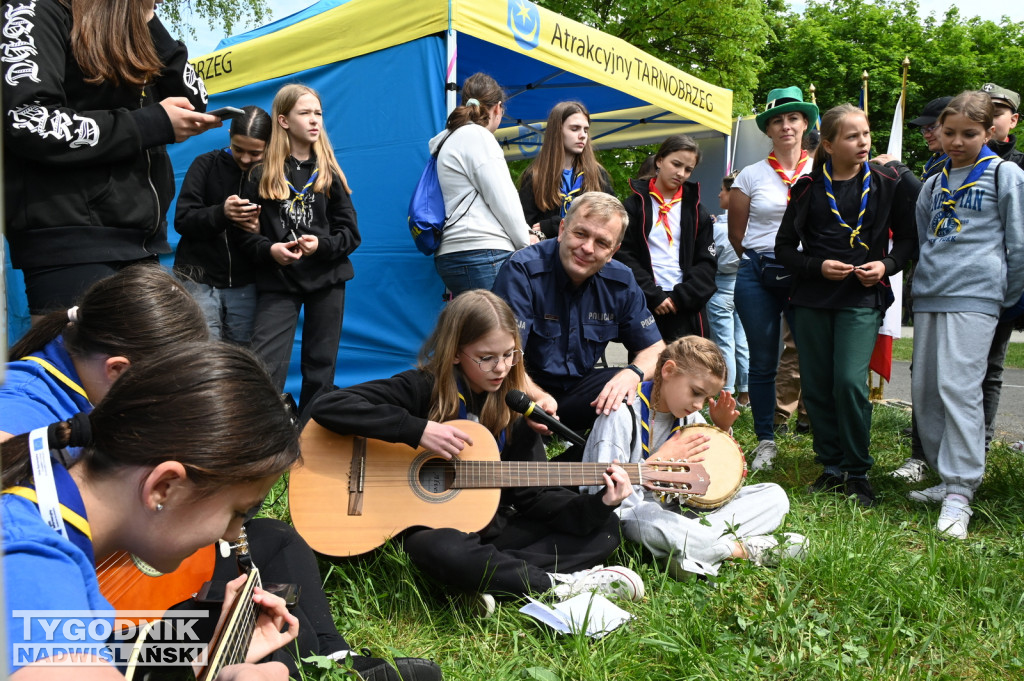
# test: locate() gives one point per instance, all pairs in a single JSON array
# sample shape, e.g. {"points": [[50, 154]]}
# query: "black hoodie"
{"points": [[87, 177]]}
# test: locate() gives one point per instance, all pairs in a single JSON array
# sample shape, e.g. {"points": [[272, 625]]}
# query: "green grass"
{"points": [[903, 348], [880, 596]]}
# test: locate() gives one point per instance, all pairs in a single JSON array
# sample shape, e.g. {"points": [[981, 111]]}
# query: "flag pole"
{"points": [[903, 88], [814, 100], [864, 88]]}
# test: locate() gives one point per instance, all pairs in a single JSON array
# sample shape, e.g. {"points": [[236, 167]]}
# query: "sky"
{"points": [[206, 39]]}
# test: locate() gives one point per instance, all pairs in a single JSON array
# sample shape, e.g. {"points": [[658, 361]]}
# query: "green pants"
{"points": [[835, 348]]}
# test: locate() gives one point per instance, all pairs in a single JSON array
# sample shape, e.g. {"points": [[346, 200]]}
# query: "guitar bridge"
{"points": [[357, 476]]}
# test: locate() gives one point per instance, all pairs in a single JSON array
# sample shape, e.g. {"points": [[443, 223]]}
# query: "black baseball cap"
{"points": [[930, 113]]}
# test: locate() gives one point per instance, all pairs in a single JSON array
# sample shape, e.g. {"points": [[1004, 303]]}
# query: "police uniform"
{"points": [[565, 329]]}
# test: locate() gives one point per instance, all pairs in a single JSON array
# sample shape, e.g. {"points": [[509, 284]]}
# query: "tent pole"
{"points": [[451, 45]]}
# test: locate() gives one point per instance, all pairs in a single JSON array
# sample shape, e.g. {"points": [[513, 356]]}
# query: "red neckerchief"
{"points": [[664, 207], [788, 180]]}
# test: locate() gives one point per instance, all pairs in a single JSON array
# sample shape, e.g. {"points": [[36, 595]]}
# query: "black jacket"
{"points": [[395, 410], [209, 251], [891, 206], [87, 177], [549, 220], [332, 220], [1008, 150], [697, 255]]}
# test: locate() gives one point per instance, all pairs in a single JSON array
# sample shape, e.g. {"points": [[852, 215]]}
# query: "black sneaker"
{"points": [[781, 428], [369, 668], [826, 482], [803, 428], [860, 488]]}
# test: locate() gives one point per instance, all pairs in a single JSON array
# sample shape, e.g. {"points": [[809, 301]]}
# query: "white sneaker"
{"points": [[912, 470], [764, 455], [954, 517], [929, 495], [764, 550], [615, 581]]}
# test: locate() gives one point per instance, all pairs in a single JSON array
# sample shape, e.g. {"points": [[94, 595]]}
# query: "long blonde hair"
{"points": [[273, 183], [691, 355], [546, 169], [468, 318]]}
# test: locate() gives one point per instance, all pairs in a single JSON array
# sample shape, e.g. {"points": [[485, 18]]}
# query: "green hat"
{"points": [[1001, 95], [783, 100]]}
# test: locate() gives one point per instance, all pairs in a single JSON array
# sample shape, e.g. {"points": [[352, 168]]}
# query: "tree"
{"points": [[181, 15]]}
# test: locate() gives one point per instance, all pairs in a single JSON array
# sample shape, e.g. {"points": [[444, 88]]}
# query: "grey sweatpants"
{"points": [[950, 358]]}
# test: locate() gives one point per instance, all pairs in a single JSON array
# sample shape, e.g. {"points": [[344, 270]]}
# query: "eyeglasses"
{"points": [[490, 362], [929, 129]]}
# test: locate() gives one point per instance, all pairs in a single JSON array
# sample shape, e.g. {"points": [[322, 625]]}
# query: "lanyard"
{"points": [[464, 412], [645, 417], [788, 180], [664, 207], [865, 190], [985, 157], [571, 185]]}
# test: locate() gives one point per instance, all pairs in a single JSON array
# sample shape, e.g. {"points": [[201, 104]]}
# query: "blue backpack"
{"points": [[427, 219]]}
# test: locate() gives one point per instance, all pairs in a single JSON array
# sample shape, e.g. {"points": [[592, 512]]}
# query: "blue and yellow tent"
{"points": [[388, 72]]}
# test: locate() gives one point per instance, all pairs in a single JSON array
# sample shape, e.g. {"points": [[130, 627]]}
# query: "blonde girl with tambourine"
{"points": [[690, 372]]}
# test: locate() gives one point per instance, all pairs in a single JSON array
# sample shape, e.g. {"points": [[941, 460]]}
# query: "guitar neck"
{"points": [[491, 474], [232, 644]]}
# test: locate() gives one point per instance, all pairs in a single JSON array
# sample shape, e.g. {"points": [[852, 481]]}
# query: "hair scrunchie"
{"points": [[73, 314], [472, 101], [81, 430]]}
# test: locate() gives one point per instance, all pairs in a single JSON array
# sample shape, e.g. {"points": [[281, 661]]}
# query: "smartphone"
{"points": [[227, 112]]}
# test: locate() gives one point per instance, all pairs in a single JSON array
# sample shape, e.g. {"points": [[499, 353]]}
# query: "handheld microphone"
{"points": [[518, 401]]}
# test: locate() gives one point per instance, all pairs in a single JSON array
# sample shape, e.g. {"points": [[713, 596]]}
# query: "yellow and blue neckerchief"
{"points": [[948, 205], [464, 412], [72, 509], [298, 196], [646, 388], [865, 190], [933, 166], [570, 185]]}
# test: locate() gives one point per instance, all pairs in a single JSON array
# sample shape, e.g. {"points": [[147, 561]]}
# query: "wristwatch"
{"points": [[537, 233], [637, 370]]}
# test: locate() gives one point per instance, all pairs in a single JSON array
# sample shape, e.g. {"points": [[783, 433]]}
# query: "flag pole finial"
{"points": [[812, 90]]}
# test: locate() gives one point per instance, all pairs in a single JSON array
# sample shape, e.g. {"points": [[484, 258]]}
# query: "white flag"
{"points": [[893, 320]]}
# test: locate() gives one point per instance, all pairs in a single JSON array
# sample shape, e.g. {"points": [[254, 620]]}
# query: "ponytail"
{"points": [[480, 93], [831, 126]]}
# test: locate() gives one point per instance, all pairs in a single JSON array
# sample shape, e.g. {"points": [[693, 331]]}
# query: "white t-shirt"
{"points": [[665, 257], [767, 194]]}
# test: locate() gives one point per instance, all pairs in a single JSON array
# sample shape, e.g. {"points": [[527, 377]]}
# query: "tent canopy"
{"points": [[386, 71]]}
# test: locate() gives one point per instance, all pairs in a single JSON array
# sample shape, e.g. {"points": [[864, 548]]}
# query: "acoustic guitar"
{"points": [[352, 494], [131, 584]]}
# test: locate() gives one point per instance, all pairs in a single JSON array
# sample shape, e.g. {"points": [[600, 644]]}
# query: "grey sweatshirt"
{"points": [[979, 268], [471, 161]]}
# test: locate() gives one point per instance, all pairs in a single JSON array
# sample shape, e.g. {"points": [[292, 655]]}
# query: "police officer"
{"points": [[570, 300]]}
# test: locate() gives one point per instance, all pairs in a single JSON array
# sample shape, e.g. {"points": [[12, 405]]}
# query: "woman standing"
{"points": [[564, 169], [757, 201], [670, 241], [485, 220], [93, 90], [209, 212]]}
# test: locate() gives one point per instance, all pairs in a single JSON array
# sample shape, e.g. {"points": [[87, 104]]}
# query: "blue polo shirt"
{"points": [[565, 328], [41, 389]]}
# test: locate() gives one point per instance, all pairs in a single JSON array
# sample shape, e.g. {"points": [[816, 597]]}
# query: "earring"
{"points": [[159, 507]]}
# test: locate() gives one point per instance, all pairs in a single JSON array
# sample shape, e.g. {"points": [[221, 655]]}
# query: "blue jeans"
{"points": [[229, 312], [466, 270], [727, 332], [761, 310]]}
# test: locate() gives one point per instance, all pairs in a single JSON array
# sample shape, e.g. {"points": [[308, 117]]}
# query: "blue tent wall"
{"points": [[379, 110]]}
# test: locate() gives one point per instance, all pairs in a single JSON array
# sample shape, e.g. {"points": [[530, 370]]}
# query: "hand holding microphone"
{"points": [[518, 401]]}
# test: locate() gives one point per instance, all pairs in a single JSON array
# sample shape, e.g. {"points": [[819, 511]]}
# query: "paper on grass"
{"points": [[589, 612]]}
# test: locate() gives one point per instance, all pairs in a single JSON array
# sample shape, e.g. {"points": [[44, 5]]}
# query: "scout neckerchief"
{"points": [[301, 197], [55, 361], [645, 417], [788, 180], [865, 190], [664, 207], [464, 411], [933, 165], [571, 185], [949, 199], [56, 495]]}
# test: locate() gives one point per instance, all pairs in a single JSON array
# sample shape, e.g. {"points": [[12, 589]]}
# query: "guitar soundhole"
{"points": [[432, 478]]}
